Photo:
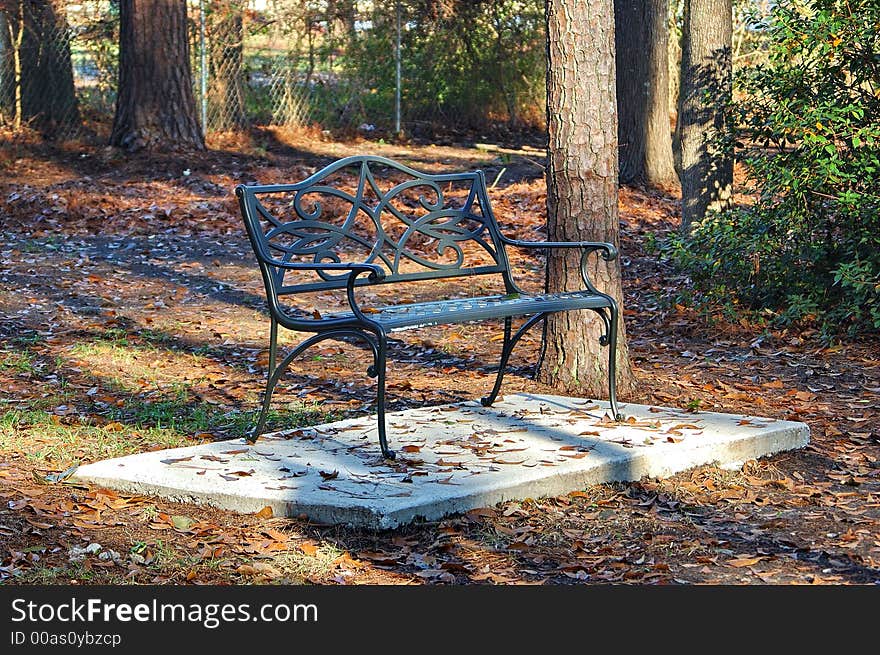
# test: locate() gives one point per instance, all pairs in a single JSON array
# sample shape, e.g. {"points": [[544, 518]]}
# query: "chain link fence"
{"points": [[335, 64], [424, 65]]}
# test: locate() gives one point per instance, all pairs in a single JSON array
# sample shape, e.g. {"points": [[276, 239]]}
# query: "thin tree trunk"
{"points": [[7, 67], [644, 132], [155, 107], [16, 34], [48, 95], [226, 91], [581, 188], [674, 57], [37, 75], [704, 154]]}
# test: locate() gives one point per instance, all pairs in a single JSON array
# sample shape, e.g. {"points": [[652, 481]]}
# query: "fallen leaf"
{"points": [[308, 548], [481, 513], [58, 477], [175, 460], [182, 523]]}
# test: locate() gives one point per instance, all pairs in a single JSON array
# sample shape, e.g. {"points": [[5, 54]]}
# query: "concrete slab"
{"points": [[451, 459]]}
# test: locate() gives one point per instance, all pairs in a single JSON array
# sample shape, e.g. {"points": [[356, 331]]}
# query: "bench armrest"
{"points": [[609, 252], [375, 272]]}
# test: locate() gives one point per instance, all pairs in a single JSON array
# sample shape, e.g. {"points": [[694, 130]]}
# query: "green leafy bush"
{"points": [[809, 247], [468, 63]]}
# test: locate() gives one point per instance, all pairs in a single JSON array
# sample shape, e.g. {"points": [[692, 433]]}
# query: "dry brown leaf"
{"points": [[265, 513], [744, 561], [308, 548]]}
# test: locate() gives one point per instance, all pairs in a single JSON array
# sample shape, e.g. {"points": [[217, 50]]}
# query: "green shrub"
{"points": [[467, 63], [809, 247]]}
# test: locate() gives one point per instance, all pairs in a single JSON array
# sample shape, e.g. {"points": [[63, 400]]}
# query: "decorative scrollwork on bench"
{"points": [[420, 224]]}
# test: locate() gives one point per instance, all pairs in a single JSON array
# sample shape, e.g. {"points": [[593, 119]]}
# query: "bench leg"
{"points": [[275, 372], [377, 370], [509, 343], [273, 346], [612, 362], [267, 397]]}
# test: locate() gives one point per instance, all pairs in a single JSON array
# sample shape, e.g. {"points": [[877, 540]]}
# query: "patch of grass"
{"points": [[119, 354], [149, 512], [137, 426], [296, 564], [58, 575], [164, 555], [155, 336], [134, 364], [19, 361], [65, 396], [46, 438], [293, 416], [177, 411], [202, 417], [27, 339]]}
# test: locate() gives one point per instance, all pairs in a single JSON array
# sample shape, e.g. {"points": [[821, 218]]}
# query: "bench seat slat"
{"points": [[463, 310]]}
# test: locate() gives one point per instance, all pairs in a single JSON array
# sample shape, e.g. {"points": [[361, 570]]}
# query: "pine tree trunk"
{"points": [[581, 188], [704, 156], [644, 134], [155, 108], [7, 68], [45, 96], [226, 101]]}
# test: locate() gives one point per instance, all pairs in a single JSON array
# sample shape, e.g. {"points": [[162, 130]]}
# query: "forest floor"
{"points": [[132, 318]]}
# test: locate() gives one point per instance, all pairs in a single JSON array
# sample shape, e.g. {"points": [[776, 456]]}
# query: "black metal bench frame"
{"points": [[309, 234]]}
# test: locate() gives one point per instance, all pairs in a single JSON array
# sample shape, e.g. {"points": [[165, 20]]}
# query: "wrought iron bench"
{"points": [[367, 221]]}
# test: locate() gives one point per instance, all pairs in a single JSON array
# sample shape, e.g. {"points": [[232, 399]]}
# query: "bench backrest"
{"points": [[369, 209]]}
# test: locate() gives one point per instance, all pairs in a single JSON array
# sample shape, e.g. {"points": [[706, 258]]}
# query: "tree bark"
{"points": [[704, 153], [40, 87], [581, 188], [226, 103], [155, 108], [641, 29], [7, 67]]}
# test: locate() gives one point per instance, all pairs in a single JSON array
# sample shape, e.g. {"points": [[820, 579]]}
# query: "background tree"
{"points": [[7, 64], [641, 29], [40, 90], [155, 106], [704, 151], [226, 91], [806, 250], [581, 187]]}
